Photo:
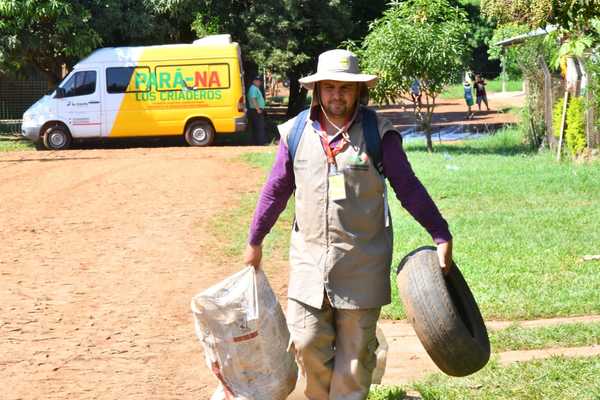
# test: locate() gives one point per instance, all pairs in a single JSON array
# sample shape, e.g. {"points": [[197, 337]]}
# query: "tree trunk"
{"points": [[548, 103], [429, 142], [297, 99], [427, 120]]}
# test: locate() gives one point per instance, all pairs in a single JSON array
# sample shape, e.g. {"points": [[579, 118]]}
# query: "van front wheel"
{"points": [[57, 138], [199, 133]]}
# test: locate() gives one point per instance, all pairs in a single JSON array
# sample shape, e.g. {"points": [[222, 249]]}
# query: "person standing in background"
{"points": [[256, 111], [415, 92], [468, 97], [480, 92]]}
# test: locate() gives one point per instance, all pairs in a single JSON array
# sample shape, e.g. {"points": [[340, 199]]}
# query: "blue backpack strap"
{"points": [[372, 138], [296, 133]]}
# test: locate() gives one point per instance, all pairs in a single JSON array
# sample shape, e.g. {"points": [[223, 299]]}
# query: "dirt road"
{"points": [[102, 251]]}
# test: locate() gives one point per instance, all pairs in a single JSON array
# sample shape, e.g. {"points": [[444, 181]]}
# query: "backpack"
{"points": [[370, 132]]}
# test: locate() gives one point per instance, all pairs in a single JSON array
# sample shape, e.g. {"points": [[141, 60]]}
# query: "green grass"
{"points": [[232, 225], [521, 223], [386, 393], [492, 86], [516, 337], [13, 145], [553, 378]]}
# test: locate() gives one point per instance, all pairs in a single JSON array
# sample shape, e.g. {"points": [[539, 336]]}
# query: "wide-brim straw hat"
{"points": [[337, 65]]}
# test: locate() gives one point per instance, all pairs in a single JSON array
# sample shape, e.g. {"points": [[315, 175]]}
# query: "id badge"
{"points": [[337, 187]]}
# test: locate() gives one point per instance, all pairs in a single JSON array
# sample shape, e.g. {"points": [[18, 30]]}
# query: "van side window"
{"points": [[127, 79], [80, 84]]}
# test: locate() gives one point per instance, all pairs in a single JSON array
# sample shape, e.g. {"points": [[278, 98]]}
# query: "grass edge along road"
{"points": [[15, 145], [553, 378]]}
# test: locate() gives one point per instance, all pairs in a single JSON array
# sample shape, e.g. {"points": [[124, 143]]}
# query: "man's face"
{"points": [[338, 98]]}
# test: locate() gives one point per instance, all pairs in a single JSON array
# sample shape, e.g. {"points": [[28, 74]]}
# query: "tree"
{"points": [[575, 23], [572, 18], [132, 22], [51, 33], [480, 33], [416, 39], [44, 33], [283, 36], [514, 59], [570, 15]]}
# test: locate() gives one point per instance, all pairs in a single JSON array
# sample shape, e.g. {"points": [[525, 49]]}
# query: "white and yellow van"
{"points": [[195, 90]]}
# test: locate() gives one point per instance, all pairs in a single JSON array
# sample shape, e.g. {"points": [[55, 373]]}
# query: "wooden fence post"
{"points": [[548, 102]]}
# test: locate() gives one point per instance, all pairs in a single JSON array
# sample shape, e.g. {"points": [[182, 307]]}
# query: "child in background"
{"points": [[468, 97], [415, 92], [480, 92]]}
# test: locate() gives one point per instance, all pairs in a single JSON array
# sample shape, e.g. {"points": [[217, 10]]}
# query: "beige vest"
{"points": [[339, 247]]}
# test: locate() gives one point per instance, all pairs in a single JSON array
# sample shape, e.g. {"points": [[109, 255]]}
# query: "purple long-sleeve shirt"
{"points": [[409, 190]]}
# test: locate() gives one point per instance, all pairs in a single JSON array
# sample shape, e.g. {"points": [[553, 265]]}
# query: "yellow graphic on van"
{"points": [[182, 77]]}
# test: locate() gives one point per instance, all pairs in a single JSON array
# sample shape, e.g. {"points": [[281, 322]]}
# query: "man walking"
{"points": [[256, 111], [341, 243]]}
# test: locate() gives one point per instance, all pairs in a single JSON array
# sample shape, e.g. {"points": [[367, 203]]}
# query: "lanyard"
{"points": [[340, 146]]}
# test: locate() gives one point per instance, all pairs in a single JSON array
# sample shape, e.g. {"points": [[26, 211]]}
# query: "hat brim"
{"points": [[309, 81]]}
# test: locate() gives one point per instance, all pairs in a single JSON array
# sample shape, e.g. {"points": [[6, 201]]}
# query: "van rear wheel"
{"points": [[57, 138], [200, 133]]}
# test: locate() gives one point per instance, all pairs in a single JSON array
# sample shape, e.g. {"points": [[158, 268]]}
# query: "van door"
{"points": [[80, 104]]}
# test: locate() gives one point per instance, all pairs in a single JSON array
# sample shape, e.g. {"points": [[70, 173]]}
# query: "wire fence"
{"points": [[15, 97]]}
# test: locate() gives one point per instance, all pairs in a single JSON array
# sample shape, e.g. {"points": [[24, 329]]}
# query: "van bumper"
{"points": [[31, 131], [241, 124]]}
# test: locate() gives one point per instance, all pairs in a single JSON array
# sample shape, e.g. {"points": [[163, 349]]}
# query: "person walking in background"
{"points": [[468, 97], [256, 111], [480, 92], [341, 243], [415, 93]]}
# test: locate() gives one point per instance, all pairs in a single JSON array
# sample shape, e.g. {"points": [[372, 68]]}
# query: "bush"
{"points": [[575, 132], [533, 126], [557, 117]]}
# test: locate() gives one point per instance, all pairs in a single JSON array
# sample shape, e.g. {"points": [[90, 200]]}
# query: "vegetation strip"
{"points": [[553, 378], [13, 145], [517, 337], [521, 223], [492, 86]]}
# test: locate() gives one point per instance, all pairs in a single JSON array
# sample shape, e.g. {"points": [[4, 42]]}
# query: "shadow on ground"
{"points": [[508, 149]]}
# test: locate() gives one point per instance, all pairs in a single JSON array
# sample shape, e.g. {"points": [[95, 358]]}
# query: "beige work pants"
{"points": [[335, 349]]}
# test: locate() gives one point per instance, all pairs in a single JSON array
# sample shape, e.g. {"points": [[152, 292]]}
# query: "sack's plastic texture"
{"points": [[381, 353], [245, 338]]}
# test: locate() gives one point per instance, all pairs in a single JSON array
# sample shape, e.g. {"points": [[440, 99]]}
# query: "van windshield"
{"points": [[79, 83]]}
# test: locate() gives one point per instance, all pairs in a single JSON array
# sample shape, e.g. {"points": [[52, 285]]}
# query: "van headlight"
{"points": [[27, 118]]}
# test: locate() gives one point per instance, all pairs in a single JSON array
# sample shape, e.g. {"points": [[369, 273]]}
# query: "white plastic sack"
{"points": [[381, 354], [245, 338]]}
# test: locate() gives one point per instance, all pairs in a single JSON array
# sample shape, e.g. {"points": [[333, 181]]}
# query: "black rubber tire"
{"points": [[57, 137], [443, 312], [199, 133]]}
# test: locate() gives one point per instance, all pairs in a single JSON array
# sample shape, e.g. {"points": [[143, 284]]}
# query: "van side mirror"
{"points": [[60, 93]]}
